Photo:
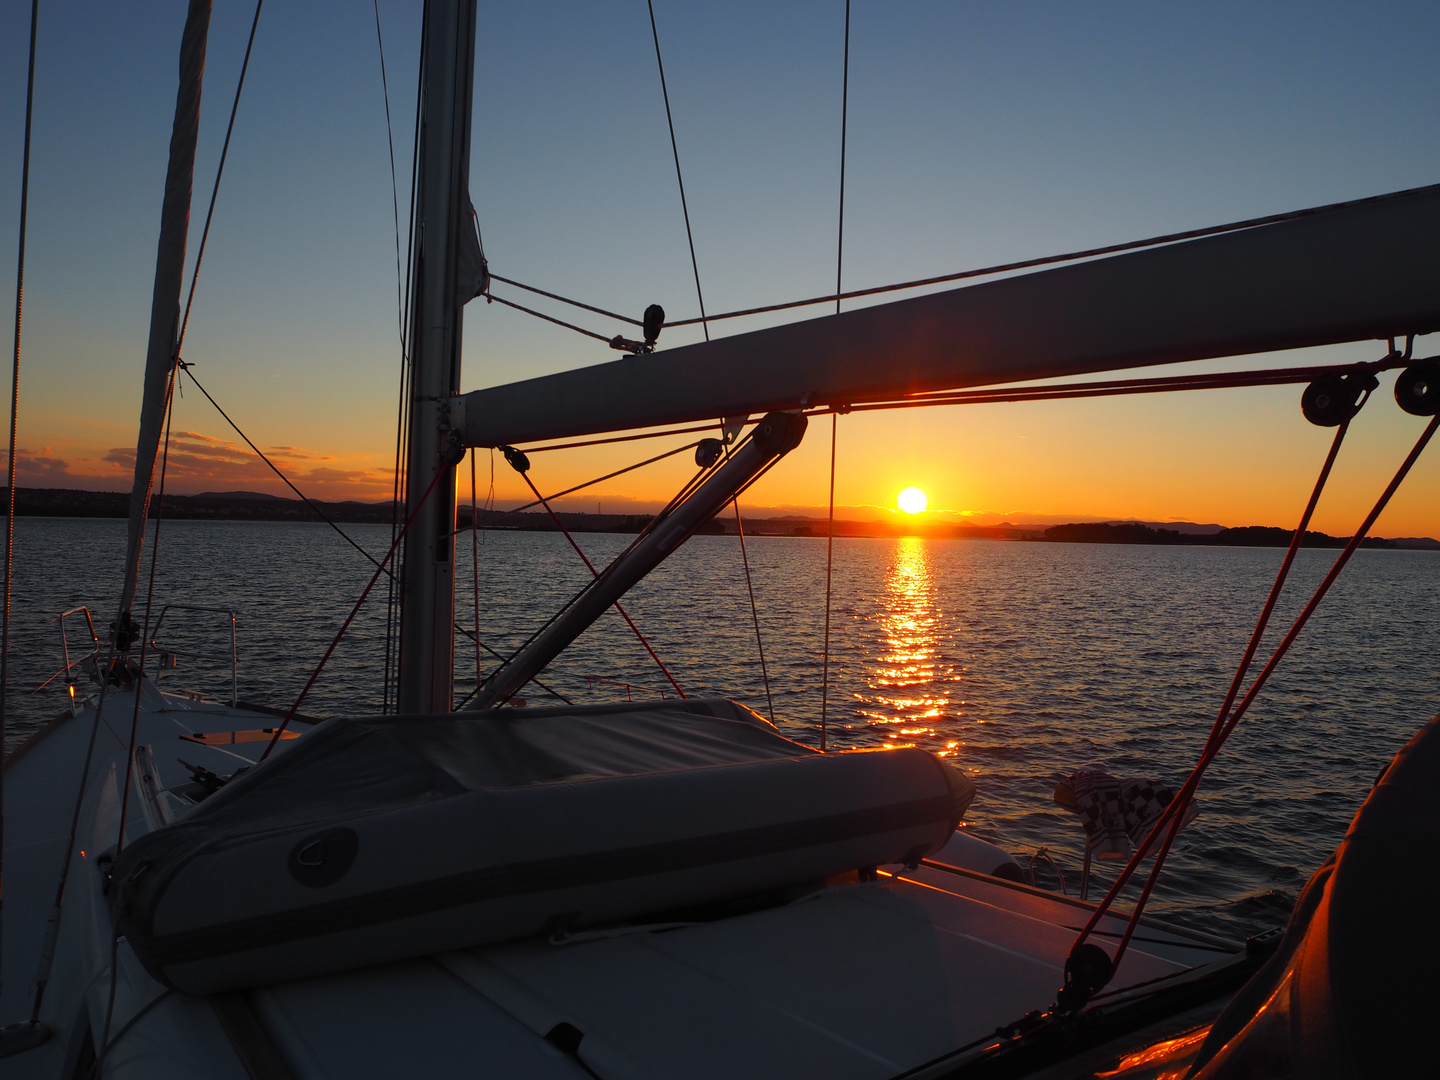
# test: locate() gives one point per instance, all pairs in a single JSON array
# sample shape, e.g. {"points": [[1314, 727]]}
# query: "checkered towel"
{"points": [[1119, 813]]}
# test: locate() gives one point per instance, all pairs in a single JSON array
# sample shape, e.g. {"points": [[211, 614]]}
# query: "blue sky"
{"points": [[977, 133]]}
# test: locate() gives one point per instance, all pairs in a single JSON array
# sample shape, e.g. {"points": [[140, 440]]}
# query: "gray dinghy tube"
{"points": [[390, 837]]}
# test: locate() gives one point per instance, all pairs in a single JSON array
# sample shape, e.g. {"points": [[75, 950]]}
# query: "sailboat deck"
{"points": [[857, 980]]}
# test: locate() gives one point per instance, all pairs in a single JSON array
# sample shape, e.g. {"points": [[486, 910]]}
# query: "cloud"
{"points": [[200, 462], [41, 469]]}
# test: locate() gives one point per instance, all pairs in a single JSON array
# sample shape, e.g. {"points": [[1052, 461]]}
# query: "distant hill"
{"points": [[1245, 536], [259, 506], [211, 505], [1185, 528]]}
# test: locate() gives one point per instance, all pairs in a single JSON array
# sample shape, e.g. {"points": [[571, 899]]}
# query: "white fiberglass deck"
{"points": [[859, 980]]}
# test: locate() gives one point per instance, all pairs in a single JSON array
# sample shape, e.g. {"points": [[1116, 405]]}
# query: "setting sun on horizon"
{"points": [[912, 500]]}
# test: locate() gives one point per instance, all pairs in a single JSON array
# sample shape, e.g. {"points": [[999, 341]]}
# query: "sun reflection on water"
{"points": [[909, 683]]}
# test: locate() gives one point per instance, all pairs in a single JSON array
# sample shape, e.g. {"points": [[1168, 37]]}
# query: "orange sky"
{"points": [[1234, 457], [977, 135]]}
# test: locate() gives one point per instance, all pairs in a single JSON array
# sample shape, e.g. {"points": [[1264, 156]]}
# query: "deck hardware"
{"points": [[70, 665], [1263, 945], [211, 782], [516, 458], [1029, 1022], [707, 452], [1087, 969], [452, 447], [1417, 388], [125, 632], [169, 656], [324, 858], [1331, 400], [653, 323], [230, 738]]}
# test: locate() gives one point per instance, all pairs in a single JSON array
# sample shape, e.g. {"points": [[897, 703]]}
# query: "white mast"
{"points": [[427, 639]]}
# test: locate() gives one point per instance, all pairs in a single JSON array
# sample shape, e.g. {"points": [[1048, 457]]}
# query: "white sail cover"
{"points": [[389, 837]]}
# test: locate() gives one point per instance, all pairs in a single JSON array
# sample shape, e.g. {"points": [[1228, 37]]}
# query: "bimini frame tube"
{"points": [[774, 437]]}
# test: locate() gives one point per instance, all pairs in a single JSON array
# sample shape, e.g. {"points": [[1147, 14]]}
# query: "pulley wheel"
{"points": [[1328, 402], [1088, 969], [1417, 389], [707, 452]]}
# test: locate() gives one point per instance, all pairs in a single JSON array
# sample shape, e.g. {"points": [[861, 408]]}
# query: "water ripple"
{"points": [[1021, 662]]}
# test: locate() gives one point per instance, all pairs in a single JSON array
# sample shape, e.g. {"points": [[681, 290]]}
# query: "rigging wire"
{"points": [[187, 369], [475, 566], [829, 564], [1296, 540], [689, 486], [135, 714], [1174, 813], [140, 1014], [501, 657], [397, 494], [1001, 268], [564, 300], [834, 417], [491, 297], [1227, 380], [620, 438], [844, 120], [394, 185], [14, 426], [1045, 392], [219, 172], [335, 641], [679, 179], [595, 573], [754, 611], [149, 605], [749, 585], [47, 952], [592, 483], [1050, 260], [401, 413]]}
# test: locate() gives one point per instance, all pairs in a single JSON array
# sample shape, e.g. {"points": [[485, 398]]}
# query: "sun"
{"points": [[912, 500]]}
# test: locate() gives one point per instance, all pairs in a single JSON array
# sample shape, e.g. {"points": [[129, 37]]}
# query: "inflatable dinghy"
{"points": [[383, 838]]}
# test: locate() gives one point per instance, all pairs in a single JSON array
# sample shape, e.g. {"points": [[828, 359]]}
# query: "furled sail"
{"points": [[165, 305], [472, 273], [1349, 273]]}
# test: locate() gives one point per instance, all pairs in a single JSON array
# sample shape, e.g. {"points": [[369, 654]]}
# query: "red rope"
{"points": [[380, 569], [622, 438], [1225, 380], [1224, 725], [623, 614], [829, 565]]}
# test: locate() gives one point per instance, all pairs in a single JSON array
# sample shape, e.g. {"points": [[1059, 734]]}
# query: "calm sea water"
{"points": [[1020, 661]]}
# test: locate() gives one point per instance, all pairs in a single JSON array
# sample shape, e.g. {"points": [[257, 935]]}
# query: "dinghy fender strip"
{"points": [[542, 875]]}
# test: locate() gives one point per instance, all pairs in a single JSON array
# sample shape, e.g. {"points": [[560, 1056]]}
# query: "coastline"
{"points": [[257, 506]]}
